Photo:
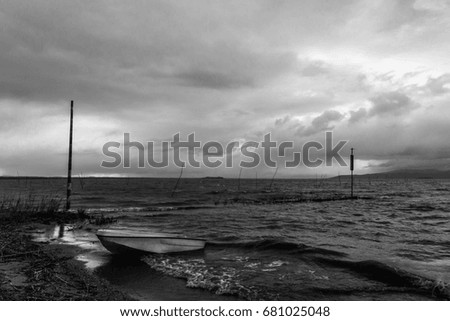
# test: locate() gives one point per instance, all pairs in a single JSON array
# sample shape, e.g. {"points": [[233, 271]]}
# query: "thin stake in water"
{"points": [[239, 179], [69, 171], [273, 177], [81, 180], [178, 181]]}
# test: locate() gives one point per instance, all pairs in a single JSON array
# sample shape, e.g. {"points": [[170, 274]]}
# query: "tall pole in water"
{"points": [[69, 170], [352, 161]]}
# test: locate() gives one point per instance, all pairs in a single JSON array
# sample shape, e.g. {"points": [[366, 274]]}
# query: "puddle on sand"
{"points": [[93, 256], [66, 234], [94, 259]]}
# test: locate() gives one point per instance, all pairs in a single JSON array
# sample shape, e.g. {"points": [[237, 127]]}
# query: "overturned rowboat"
{"points": [[134, 242]]}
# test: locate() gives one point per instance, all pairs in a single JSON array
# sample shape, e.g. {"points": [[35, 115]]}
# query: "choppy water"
{"points": [[286, 240]]}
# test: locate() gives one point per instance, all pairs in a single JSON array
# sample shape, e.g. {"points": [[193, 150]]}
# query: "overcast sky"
{"points": [[375, 73]]}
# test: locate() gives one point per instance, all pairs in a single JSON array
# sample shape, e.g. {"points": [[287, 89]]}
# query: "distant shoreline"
{"points": [[397, 174]]}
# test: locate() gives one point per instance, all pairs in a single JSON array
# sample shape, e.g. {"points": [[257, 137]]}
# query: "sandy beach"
{"points": [[39, 271]]}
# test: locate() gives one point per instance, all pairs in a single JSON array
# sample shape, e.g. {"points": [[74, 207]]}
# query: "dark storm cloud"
{"points": [[384, 105], [231, 69], [214, 80], [55, 50], [46, 56], [224, 69]]}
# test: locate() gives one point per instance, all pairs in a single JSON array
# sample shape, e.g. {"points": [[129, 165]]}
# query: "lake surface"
{"points": [[280, 240]]}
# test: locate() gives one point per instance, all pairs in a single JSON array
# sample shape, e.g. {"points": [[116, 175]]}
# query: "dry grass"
{"points": [[41, 208], [30, 204]]}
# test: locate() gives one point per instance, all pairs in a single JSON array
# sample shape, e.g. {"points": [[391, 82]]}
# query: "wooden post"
{"points": [[69, 170], [352, 161]]}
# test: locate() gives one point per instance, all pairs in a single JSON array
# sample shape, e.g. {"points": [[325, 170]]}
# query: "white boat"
{"points": [[132, 241]]}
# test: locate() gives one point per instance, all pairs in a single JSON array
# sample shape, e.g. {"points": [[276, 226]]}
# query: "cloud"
{"points": [[314, 68], [287, 127], [431, 5], [439, 85], [114, 52], [215, 80], [357, 115], [386, 104], [389, 103], [221, 69], [323, 122]]}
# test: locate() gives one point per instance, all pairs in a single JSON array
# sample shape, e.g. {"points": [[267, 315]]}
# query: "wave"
{"points": [[393, 276], [426, 207], [428, 217], [443, 243], [241, 274], [137, 209], [223, 280], [276, 245]]}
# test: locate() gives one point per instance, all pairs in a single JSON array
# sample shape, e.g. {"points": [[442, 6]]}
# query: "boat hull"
{"points": [[121, 244]]}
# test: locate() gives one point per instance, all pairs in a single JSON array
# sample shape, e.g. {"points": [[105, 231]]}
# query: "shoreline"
{"points": [[41, 271]]}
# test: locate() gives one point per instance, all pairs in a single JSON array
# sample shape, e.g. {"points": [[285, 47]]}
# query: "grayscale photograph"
{"points": [[215, 150]]}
